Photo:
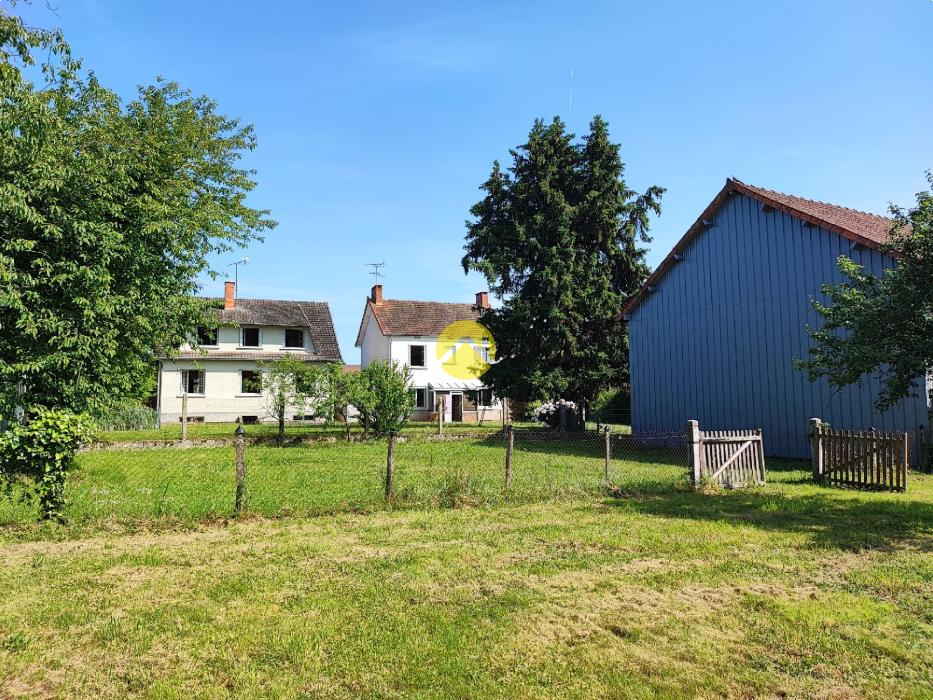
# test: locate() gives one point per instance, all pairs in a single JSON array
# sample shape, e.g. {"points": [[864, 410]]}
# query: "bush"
{"points": [[382, 394], [42, 451], [612, 404], [549, 413], [127, 415]]}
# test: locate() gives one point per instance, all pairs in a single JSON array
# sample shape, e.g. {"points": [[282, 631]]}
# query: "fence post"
{"points": [[240, 440], [905, 465], [816, 448], [695, 456], [390, 463], [184, 417], [509, 447], [921, 448], [608, 440]]}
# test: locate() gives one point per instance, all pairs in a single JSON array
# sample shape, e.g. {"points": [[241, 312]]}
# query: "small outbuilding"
{"points": [[716, 329]]}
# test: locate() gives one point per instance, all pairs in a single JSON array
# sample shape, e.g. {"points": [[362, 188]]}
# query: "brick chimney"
{"points": [[376, 294], [482, 300], [229, 295]]}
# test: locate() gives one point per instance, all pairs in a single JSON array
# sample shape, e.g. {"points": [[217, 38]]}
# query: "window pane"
{"points": [[207, 336], [251, 337], [416, 355], [294, 338], [420, 398], [250, 382], [192, 381]]}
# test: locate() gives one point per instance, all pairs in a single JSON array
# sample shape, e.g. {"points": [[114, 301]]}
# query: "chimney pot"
{"points": [[376, 294], [229, 295], [482, 300]]}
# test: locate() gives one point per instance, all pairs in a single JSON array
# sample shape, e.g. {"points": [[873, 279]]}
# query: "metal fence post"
{"points": [[240, 439], [509, 447], [390, 463], [608, 439], [184, 417], [694, 456], [816, 448]]}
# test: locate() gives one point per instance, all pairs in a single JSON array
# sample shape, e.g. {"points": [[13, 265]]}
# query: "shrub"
{"points": [[549, 413], [42, 451], [126, 415], [382, 394]]}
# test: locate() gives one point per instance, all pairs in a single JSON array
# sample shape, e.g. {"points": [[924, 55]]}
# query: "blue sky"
{"points": [[377, 122]]}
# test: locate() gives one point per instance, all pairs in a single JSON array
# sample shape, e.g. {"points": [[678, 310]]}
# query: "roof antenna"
{"points": [[375, 272]]}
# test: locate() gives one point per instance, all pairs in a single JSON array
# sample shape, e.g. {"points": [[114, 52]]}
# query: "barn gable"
{"points": [[714, 334]]}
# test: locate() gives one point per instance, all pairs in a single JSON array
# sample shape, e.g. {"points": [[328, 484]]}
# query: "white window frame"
{"points": [[424, 393], [183, 385], [424, 355], [247, 393], [258, 334], [286, 346]]}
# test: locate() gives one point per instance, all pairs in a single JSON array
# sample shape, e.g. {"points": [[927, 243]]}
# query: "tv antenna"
{"points": [[236, 270], [376, 270]]}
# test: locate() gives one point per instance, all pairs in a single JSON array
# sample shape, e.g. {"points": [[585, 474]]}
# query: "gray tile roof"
{"points": [[313, 315]]}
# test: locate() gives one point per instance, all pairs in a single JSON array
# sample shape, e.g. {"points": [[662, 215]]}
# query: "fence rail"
{"points": [[861, 459]]}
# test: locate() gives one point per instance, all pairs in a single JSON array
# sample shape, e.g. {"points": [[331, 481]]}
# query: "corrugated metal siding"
{"points": [[717, 340]]}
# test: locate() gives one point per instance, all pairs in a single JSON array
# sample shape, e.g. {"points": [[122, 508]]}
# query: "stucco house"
{"points": [[408, 332], [716, 329], [220, 372]]}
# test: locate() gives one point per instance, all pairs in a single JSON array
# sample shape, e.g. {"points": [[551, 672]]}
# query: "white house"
{"points": [[408, 332], [220, 373]]}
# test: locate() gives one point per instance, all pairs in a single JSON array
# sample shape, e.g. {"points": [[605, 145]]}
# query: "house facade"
{"points": [[220, 375], [410, 333], [716, 329]]}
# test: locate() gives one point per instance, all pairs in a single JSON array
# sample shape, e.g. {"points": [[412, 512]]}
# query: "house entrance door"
{"points": [[456, 408]]}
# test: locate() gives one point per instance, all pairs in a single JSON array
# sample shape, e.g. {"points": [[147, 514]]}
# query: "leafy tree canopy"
{"points": [[108, 213], [558, 236], [882, 324]]}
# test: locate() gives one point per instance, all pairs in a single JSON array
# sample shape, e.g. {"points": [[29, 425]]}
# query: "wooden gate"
{"points": [[863, 459], [732, 458]]}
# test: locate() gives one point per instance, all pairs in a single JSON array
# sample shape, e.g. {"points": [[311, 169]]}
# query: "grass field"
{"points": [[788, 590]]}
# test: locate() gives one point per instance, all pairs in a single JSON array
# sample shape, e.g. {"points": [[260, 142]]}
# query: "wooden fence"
{"points": [[863, 459], [732, 458]]}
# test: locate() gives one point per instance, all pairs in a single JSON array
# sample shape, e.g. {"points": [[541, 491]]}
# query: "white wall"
{"points": [[222, 400], [375, 345], [271, 339]]}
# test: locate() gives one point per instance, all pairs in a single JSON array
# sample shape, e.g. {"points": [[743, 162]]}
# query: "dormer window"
{"points": [[249, 337], [207, 336], [294, 338], [416, 355]]}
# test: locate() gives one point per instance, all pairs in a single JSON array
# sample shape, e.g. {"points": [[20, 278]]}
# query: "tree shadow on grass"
{"points": [[834, 519]]}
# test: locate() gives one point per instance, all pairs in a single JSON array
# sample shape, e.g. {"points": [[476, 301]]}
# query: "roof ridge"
{"points": [[814, 201], [426, 301]]}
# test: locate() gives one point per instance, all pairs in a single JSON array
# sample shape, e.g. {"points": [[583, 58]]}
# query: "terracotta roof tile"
{"points": [[403, 317]]}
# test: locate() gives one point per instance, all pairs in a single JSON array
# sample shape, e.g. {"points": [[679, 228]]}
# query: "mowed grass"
{"points": [[197, 484], [561, 587], [784, 591]]}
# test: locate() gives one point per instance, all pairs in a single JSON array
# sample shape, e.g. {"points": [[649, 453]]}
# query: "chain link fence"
{"points": [[126, 482]]}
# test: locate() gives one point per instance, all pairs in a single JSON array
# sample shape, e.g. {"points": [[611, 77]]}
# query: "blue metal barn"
{"points": [[716, 329]]}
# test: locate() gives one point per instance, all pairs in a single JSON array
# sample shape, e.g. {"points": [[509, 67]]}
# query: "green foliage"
{"points": [[617, 401], [333, 389], [381, 393], [288, 385], [881, 324], [42, 451], [108, 213], [557, 237], [126, 414]]}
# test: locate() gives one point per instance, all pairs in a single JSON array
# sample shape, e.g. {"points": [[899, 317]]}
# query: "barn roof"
{"points": [[870, 230]]}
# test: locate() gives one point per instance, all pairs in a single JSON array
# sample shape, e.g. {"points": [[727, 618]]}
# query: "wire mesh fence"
{"points": [[466, 467]]}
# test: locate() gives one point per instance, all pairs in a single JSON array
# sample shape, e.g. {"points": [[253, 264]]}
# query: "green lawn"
{"points": [[560, 589]]}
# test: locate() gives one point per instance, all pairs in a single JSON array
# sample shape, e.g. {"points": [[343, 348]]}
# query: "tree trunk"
{"points": [[281, 429]]}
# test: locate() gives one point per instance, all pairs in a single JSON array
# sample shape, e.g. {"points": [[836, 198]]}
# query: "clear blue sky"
{"points": [[378, 121]]}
